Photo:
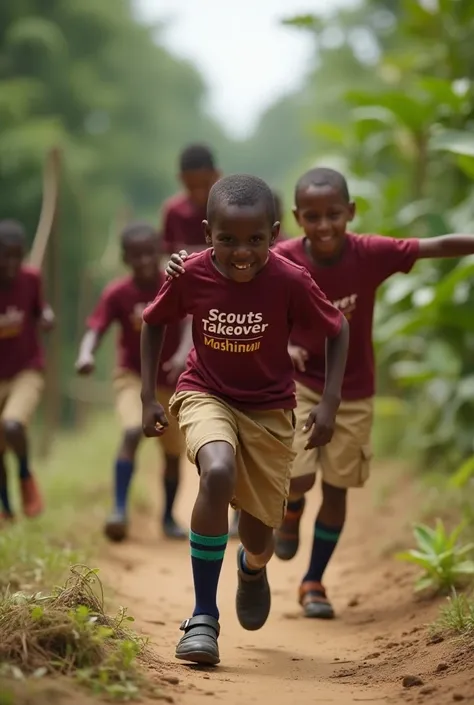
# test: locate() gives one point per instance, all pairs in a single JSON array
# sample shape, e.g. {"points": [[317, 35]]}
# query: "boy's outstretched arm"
{"points": [[151, 344], [85, 362], [446, 246], [323, 416]]}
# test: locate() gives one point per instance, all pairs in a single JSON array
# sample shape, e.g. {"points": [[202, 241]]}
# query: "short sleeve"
{"points": [[312, 310], [389, 255], [168, 305], [104, 313]]}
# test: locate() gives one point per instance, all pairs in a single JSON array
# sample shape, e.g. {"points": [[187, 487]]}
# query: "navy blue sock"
{"points": [[4, 499], [171, 487], [24, 468], [123, 477], [324, 542], [295, 505], [207, 554]]}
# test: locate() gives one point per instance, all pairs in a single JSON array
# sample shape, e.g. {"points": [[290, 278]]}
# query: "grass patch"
{"points": [[457, 617], [76, 480], [67, 632]]}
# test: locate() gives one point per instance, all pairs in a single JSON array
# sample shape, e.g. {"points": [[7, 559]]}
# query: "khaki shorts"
{"points": [[345, 461], [19, 398], [262, 443], [127, 387]]}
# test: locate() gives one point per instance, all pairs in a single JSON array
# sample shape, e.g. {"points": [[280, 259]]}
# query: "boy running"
{"points": [[22, 312], [122, 302], [183, 213], [349, 268], [234, 403]]}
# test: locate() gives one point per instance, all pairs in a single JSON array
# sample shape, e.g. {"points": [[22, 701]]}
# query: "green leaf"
{"points": [[413, 557], [463, 474], [454, 141], [329, 131], [464, 568], [424, 583], [424, 537]]}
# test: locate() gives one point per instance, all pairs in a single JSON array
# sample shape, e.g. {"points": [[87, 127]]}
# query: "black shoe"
{"points": [[199, 642], [172, 530], [116, 527], [253, 599]]}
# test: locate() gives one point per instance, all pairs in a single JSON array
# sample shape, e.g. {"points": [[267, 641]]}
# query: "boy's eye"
{"points": [[256, 239]]}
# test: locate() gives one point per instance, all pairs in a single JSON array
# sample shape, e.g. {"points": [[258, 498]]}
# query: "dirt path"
{"points": [[379, 637]]}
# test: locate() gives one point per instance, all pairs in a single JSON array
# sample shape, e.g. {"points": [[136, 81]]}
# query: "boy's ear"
{"points": [[352, 210], [207, 232], [275, 232], [296, 215]]}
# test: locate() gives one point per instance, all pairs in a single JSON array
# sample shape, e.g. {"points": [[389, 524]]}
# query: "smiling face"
{"points": [[323, 213], [241, 237]]}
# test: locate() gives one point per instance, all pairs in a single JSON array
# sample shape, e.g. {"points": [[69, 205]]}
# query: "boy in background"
{"points": [[22, 312], [183, 213], [122, 302], [235, 401]]}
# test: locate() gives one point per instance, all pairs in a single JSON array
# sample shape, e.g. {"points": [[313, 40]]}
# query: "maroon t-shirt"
{"points": [[21, 305], [241, 330], [123, 302], [351, 285], [182, 224]]}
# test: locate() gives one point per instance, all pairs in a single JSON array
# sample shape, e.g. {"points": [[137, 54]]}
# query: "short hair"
{"points": [[240, 190], [322, 176], [136, 230], [196, 156], [12, 232]]}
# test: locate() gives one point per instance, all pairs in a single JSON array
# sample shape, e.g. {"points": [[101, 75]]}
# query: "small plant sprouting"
{"points": [[445, 562]]}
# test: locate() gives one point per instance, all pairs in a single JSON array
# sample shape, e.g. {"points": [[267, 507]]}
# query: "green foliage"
{"points": [[90, 79], [68, 632], [392, 99], [457, 617], [444, 561]]}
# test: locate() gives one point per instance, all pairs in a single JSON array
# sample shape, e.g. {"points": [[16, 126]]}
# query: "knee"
{"points": [[334, 497], [301, 485], [14, 432], [131, 440], [218, 479]]}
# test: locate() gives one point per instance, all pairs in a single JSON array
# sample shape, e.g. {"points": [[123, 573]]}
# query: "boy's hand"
{"points": [[298, 356], [174, 267], [174, 366], [85, 365], [320, 422], [47, 319], [154, 421]]}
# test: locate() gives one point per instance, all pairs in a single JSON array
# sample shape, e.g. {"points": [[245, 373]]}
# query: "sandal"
{"points": [[287, 537], [313, 600], [199, 642]]}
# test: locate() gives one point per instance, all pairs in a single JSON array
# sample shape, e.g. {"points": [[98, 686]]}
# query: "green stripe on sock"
{"points": [[326, 535], [208, 540], [207, 555]]}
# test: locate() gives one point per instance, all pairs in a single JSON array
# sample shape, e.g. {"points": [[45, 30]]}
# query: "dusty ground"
{"points": [[380, 636]]}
